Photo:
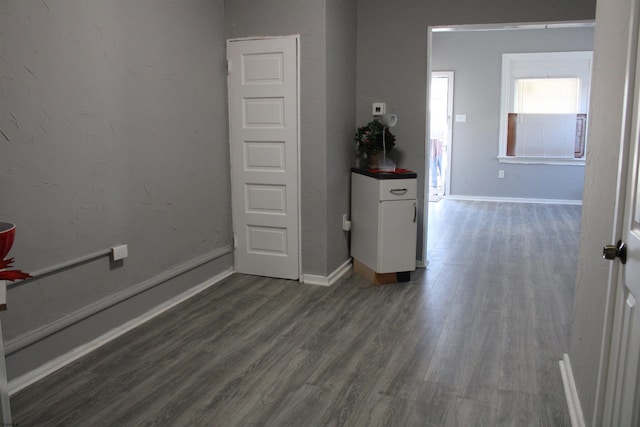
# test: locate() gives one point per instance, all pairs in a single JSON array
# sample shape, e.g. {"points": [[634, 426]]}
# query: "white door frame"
{"points": [[296, 37], [449, 141], [425, 193]]}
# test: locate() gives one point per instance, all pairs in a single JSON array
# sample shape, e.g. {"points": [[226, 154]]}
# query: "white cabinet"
{"points": [[384, 215]]}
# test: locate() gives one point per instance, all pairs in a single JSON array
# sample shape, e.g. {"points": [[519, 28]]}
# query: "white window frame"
{"points": [[541, 65]]}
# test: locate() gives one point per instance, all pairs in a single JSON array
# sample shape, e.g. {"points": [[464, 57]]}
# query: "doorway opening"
{"points": [[471, 168], [440, 113]]}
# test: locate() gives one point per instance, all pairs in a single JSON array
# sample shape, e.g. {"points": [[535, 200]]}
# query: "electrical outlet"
{"points": [[119, 252], [346, 224], [379, 108], [501, 174]]}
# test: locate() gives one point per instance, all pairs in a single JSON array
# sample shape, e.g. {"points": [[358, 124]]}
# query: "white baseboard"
{"points": [[421, 264], [515, 200], [571, 392], [88, 311], [48, 368], [313, 279]]}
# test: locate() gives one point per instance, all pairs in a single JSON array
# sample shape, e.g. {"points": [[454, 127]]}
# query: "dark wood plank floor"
{"points": [[474, 339]]}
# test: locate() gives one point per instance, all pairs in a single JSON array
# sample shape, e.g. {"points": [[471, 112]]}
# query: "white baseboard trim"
{"points": [[421, 264], [571, 392], [515, 200], [312, 279], [86, 312], [48, 368]]}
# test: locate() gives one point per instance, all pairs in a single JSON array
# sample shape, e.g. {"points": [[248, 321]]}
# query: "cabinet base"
{"points": [[380, 278]]}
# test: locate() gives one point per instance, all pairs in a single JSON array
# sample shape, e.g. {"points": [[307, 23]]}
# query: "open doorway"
{"points": [[474, 167], [440, 113]]}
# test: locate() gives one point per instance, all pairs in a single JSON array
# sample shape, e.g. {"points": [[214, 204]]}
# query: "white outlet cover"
{"points": [[120, 252], [379, 108]]}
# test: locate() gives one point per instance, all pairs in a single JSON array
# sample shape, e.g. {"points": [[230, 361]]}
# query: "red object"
{"points": [[7, 236], [396, 171], [6, 263], [13, 275]]}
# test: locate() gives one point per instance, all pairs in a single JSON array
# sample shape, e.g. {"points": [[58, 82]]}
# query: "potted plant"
{"points": [[369, 140]]}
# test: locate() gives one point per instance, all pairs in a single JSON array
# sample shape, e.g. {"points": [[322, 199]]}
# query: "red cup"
{"points": [[7, 235]]}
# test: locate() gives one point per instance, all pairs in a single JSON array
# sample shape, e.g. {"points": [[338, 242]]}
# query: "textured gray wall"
{"points": [[115, 131], [392, 57], [341, 114], [476, 59], [116, 127], [326, 112]]}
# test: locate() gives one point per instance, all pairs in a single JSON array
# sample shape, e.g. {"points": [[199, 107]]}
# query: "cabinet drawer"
{"points": [[398, 189]]}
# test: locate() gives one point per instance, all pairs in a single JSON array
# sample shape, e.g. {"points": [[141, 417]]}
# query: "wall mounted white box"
{"points": [[119, 252]]}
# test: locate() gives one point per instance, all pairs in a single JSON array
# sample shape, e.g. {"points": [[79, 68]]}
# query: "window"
{"points": [[550, 96], [545, 97]]}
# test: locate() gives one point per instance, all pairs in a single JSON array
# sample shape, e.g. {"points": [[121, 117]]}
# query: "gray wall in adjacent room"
{"points": [[392, 58], [476, 59], [327, 111], [114, 130]]}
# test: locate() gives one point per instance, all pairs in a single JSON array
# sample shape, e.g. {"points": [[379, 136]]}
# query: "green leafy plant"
{"points": [[368, 138]]}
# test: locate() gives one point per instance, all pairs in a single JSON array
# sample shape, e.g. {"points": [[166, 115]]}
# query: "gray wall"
{"points": [[327, 112], [392, 57], [476, 59], [116, 132], [341, 113], [600, 224]]}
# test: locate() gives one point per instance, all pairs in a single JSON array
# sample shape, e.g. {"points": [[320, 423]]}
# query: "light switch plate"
{"points": [[461, 118]]}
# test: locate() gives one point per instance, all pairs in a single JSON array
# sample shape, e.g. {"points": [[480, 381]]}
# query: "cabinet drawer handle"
{"points": [[398, 191], [415, 212]]}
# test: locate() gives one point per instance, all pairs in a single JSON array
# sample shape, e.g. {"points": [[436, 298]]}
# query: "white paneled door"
{"points": [[623, 379], [264, 145]]}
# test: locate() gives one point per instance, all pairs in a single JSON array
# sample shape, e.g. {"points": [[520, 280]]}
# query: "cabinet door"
{"points": [[397, 236]]}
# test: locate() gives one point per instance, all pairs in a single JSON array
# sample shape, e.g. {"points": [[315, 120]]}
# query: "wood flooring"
{"points": [[472, 340]]}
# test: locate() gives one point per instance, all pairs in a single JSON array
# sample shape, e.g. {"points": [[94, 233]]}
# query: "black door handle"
{"points": [[619, 250]]}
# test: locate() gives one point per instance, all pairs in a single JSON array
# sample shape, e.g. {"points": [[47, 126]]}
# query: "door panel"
{"points": [[622, 396], [263, 129], [397, 241], [623, 411], [629, 354]]}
